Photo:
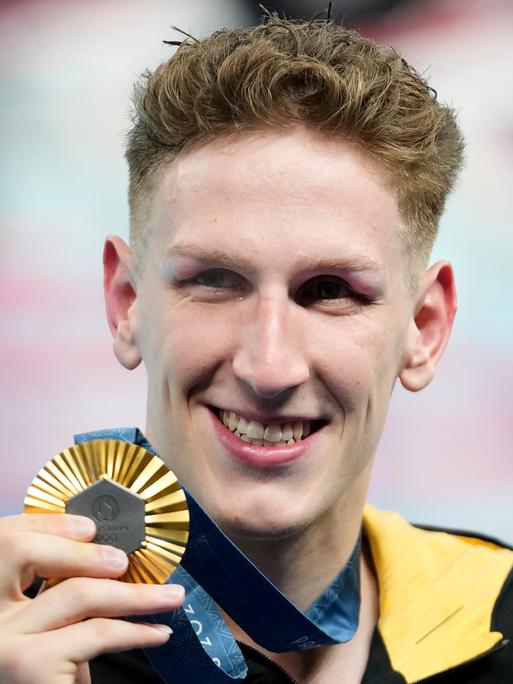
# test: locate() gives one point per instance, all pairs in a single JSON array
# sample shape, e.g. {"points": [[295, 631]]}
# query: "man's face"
{"points": [[274, 287]]}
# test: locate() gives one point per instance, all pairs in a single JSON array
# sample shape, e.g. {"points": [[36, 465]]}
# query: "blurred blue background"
{"points": [[66, 77]]}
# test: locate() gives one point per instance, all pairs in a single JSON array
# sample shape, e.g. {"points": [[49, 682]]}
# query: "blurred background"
{"points": [[66, 73]]}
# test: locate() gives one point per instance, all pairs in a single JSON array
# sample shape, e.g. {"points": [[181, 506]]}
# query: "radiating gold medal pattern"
{"points": [[166, 516]]}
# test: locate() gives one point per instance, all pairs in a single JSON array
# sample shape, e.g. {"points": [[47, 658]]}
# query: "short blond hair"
{"points": [[282, 73]]}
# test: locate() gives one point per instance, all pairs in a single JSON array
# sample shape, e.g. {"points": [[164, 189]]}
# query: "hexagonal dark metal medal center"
{"points": [[117, 512]]}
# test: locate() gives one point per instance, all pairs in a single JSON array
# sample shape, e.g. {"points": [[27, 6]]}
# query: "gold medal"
{"points": [[134, 499]]}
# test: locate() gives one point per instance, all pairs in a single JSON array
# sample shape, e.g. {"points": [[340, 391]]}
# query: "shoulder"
{"points": [[440, 561], [393, 539], [445, 595], [497, 551]]}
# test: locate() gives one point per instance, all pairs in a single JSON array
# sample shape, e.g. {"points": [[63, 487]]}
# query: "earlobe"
{"points": [[430, 327], [120, 301]]}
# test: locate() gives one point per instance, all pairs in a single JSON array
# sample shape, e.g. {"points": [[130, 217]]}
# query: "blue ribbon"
{"points": [[214, 571]]}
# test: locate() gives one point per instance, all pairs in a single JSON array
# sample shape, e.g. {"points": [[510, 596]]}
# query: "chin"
{"points": [[263, 523]]}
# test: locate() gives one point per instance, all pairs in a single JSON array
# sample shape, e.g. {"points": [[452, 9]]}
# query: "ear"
{"points": [[431, 326], [120, 301]]}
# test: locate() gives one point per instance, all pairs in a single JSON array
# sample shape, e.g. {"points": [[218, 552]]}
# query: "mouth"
{"points": [[264, 444], [278, 433]]}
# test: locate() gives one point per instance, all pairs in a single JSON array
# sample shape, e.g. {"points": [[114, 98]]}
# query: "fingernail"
{"points": [[164, 628], [113, 557], [174, 591], [83, 527]]}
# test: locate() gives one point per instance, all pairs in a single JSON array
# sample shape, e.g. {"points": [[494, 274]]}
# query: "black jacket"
{"points": [[446, 613]]}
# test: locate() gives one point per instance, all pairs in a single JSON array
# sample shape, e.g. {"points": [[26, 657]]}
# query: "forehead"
{"points": [[298, 192]]}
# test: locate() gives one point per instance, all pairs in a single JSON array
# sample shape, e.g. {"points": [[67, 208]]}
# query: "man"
{"points": [[286, 184]]}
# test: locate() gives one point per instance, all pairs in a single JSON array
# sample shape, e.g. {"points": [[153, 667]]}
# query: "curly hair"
{"points": [[282, 73]]}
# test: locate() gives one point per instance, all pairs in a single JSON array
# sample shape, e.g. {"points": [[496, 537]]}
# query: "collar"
{"points": [[437, 593]]}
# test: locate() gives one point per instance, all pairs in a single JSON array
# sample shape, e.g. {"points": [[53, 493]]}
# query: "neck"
{"points": [[303, 565], [346, 660]]}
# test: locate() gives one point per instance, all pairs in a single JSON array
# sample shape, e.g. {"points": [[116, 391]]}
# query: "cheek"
{"points": [[357, 360], [186, 345]]}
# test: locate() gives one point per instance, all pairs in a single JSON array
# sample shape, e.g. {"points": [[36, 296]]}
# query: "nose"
{"points": [[270, 357]]}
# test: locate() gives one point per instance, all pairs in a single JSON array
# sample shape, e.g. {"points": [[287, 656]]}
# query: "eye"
{"points": [[213, 285], [325, 288], [217, 278]]}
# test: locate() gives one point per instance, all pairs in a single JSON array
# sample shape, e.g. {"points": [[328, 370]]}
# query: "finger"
{"points": [[83, 674], [33, 555], [59, 655], [83, 641], [63, 525], [81, 598]]}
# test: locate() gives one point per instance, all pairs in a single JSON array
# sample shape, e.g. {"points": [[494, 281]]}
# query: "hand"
{"points": [[51, 638]]}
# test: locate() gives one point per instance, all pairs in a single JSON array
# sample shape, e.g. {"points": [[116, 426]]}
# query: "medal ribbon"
{"points": [[214, 571]]}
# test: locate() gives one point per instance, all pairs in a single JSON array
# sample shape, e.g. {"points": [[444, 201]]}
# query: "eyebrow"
{"points": [[355, 263]]}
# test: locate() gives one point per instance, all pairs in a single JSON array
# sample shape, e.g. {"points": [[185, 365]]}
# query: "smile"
{"points": [[264, 444], [262, 434]]}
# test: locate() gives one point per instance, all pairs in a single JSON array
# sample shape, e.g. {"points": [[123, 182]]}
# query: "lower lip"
{"points": [[260, 456]]}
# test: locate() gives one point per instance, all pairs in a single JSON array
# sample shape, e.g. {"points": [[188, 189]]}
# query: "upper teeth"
{"points": [[272, 434]]}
